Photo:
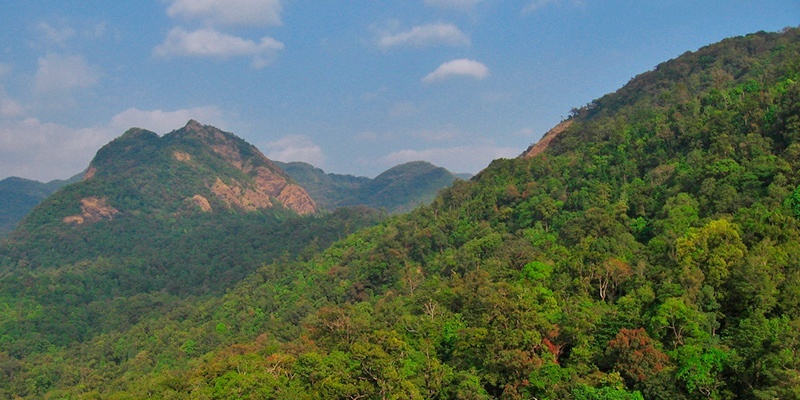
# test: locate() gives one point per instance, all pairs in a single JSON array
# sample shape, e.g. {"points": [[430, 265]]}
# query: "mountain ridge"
{"points": [[398, 189]]}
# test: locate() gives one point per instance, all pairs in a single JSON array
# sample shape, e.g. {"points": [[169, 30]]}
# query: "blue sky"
{"points": [[350, 86]]}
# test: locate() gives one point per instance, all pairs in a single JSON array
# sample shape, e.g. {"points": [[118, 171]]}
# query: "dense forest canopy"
{"points": [[651, 251]]}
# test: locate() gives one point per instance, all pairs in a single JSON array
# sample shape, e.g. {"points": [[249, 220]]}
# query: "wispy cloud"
{"points": [[454, 4], [33, 149], [295, 148], [210, 43], [536, 5], [161, 121], [8, 106], [54, 35], [62, 74], [461, 67], [230, 12], [426, 35], [457, 159]]}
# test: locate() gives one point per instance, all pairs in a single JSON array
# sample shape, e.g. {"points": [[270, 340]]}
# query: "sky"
{"points": [[352, 87]]}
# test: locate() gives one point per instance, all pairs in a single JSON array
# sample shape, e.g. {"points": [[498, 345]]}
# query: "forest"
{"points": [[652, 251]]}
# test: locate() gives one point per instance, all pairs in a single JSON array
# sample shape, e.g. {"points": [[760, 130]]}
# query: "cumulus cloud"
{"points": [[230, 12], [161, 121], [461, 67], [61, 74], [426, 35], [454, 4], [33, 149], [210, 43], [457, 159], [295, 148]]}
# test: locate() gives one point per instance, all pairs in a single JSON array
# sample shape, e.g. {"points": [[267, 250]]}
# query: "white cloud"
{"points": [[461, 67], [161, 121], [456, 159], [9, 107], [32, 149], [53, 35], [229, 12], [44, 151], [455, 4], [62, 74], [210, 43], [295, 148], [426, 35]]}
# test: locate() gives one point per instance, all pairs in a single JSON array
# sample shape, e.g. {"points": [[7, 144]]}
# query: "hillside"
{"points": [[154, 220], [398, 189], [649, 250], [19, 196]]}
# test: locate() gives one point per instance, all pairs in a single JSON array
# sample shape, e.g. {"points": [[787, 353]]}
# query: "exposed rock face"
{"points": [[548, 137], [200, 202], [270, 181], [93, 209], [181, 155]]}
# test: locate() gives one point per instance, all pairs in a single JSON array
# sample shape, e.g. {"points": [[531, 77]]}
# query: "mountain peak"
{"points": [[196, 164]]}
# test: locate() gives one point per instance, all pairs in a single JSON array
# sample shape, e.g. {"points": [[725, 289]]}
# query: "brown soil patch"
{"points": [[548, 137], [90, 173]]}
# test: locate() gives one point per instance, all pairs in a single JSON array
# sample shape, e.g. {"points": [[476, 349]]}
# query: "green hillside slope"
{"points": [[19, 196], [398, 189], [650, 248]]}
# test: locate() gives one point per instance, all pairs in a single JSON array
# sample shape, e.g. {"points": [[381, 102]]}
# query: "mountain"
{"points": [[155, 220], [648, 249], [399, 189], [19, 196]]}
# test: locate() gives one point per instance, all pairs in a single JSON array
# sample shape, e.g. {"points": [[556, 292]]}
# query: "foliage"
{"points": [[650, 252]]}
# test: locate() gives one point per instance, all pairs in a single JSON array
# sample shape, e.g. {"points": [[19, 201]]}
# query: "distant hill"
{"points": [[18, 196], [398, 189]]}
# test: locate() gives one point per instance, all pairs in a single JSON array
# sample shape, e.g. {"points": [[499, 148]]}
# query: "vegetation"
{"points": [[19, 196], [652, 251], [398, 189]]}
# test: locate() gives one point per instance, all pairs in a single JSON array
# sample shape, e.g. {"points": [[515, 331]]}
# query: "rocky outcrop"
{"points": [[200, 202], [93, 209], [270, 182]]}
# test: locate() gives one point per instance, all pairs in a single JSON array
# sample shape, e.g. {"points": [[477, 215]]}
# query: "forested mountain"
{"points": [[398, 189], [19, 196], [154, 221], [650, 248]]}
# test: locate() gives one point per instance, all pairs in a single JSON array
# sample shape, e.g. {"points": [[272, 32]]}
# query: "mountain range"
{"points": [[398, 189], [647, 247]]}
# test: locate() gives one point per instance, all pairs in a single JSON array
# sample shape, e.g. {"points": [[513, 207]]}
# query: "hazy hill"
{"points": [[19, 196], [398, 189], [649, 249]]}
